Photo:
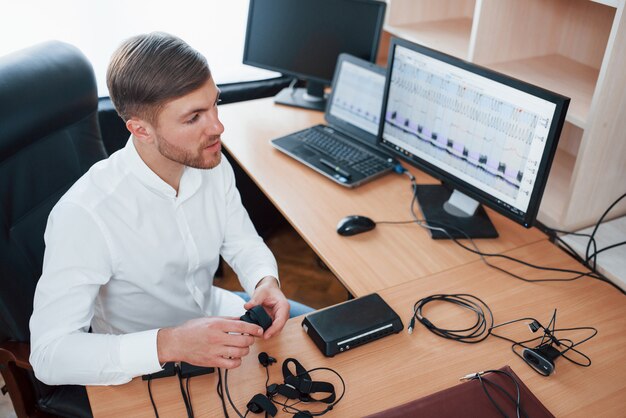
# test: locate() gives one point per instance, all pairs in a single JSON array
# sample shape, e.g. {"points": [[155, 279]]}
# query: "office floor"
{"points": [[303, 276], [6, 407]]}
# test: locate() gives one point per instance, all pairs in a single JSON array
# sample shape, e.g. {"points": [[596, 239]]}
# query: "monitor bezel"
{"points": [[307, 77], [356, 132], [526, 218]]}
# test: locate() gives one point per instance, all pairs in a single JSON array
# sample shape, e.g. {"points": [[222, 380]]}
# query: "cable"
{"points": [[595, 229], [156, 412], [187, 401], [590, 259], [232, 404], [549, 337], [437, 226], [471, 335], [220, 391], [291, 409], [484, 381]]}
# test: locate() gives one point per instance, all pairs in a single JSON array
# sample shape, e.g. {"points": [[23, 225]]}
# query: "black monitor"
{"points": [[303, 38], [488, 137]]}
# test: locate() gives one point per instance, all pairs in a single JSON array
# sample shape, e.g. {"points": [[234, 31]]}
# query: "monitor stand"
{"points": [[442, 206], [310, 98]]}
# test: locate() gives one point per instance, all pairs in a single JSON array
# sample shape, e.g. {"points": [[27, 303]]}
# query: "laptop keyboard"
{"points": [[344, 153]]}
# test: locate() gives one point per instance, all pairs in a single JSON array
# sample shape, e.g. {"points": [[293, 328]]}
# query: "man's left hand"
{"points": [[269, 295]]}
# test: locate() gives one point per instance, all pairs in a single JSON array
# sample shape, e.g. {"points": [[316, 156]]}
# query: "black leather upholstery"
{"points": [[49, 137]]}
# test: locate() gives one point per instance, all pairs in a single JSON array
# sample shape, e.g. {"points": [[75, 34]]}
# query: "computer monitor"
{"points": [[488, 137], [303, 38]]}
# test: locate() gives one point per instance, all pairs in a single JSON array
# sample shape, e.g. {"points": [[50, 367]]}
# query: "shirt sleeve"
{"points": [[77, 262], [243, 249]]}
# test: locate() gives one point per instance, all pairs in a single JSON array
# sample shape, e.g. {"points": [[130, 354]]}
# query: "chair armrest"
{"points": [[12, 351]]}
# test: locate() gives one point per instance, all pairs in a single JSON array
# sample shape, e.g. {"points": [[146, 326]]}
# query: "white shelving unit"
{"points": [[573, 47]]}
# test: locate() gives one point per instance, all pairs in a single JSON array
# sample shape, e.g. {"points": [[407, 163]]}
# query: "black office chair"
{"points": [[49, 137]]}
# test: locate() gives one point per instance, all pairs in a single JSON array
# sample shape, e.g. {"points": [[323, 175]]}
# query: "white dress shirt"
{"points": [[126, 255]]}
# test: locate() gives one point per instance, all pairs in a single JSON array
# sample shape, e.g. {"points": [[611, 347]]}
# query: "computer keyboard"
{"points": [[359, 159]]}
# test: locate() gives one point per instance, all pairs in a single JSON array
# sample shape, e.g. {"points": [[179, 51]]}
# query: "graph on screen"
{"points": [[358, 97], [489, 136]]}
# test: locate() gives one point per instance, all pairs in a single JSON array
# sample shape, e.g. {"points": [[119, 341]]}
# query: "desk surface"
{"points": [[404, 367], [388, 255], [389, 259]]}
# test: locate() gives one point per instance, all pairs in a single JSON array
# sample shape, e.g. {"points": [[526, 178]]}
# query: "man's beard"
{"points": [[195, 160]]}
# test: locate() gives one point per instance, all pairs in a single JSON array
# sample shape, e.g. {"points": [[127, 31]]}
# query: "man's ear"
{"points": [[140, 129]]}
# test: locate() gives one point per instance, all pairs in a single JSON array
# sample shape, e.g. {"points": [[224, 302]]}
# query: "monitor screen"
{"points": [[488, 135], [303, 38], [357, 96]]}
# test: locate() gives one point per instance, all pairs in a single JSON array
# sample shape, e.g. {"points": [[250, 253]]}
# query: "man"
{"points": [[132, 247]]}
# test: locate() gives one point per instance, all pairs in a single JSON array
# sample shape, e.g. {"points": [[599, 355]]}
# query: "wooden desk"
{"points": [[404, 367], [387, 256]]}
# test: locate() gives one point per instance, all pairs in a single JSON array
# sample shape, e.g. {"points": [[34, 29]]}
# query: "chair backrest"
{"points": [[49, 137]]}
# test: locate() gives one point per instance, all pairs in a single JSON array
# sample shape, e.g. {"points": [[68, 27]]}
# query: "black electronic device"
{"points": [[488, 137], [350, 324], [303, 38], [541, 358], [257, 315], [184, 369]]}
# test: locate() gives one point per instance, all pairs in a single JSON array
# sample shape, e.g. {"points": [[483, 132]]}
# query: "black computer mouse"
{"points": [[355, 224]]}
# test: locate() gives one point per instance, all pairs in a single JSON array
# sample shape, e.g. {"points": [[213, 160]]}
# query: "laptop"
{"points": [[345, 150]]}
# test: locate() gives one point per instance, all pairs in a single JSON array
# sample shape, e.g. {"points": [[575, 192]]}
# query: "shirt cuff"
{"points": [[250, 287], [138, 353]]}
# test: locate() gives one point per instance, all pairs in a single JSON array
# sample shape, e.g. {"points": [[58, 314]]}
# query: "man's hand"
{"points": [[208, 342], [269, 295]]}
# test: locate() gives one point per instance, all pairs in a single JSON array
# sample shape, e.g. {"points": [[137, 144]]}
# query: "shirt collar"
{"points": [[189, 181]]}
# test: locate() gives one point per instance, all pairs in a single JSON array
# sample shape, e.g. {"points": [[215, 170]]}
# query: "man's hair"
{"points": [[149, 70]]}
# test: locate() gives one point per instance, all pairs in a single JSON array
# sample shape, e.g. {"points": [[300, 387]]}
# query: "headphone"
{"points": [[298, 386]]}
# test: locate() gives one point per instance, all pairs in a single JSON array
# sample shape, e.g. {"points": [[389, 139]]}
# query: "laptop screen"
{"points": [[357, 96]]}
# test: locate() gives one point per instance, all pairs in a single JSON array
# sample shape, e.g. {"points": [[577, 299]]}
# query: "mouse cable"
{"points": [[431, 225]]}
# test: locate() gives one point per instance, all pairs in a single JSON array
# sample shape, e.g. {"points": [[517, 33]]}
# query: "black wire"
{"points": [[189, 394], [290, 409], [551, 334], [184, 395], [591, 242], [156, 413], [596, 252], [444, 228], [232, 404], [517, 402], [493, 401], [595, 229], [471, 335], [220, 391]]}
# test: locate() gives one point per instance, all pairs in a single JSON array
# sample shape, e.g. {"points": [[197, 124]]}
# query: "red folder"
{"points": [[469, 400]]}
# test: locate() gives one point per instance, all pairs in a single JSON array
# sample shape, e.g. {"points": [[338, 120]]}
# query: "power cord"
{"points": [[437, 226], [590, 258]]}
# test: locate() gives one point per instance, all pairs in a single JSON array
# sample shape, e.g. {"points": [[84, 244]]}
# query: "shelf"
{"points": [[451, 36], [561, 75], [611, 3], [556, 193]]}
